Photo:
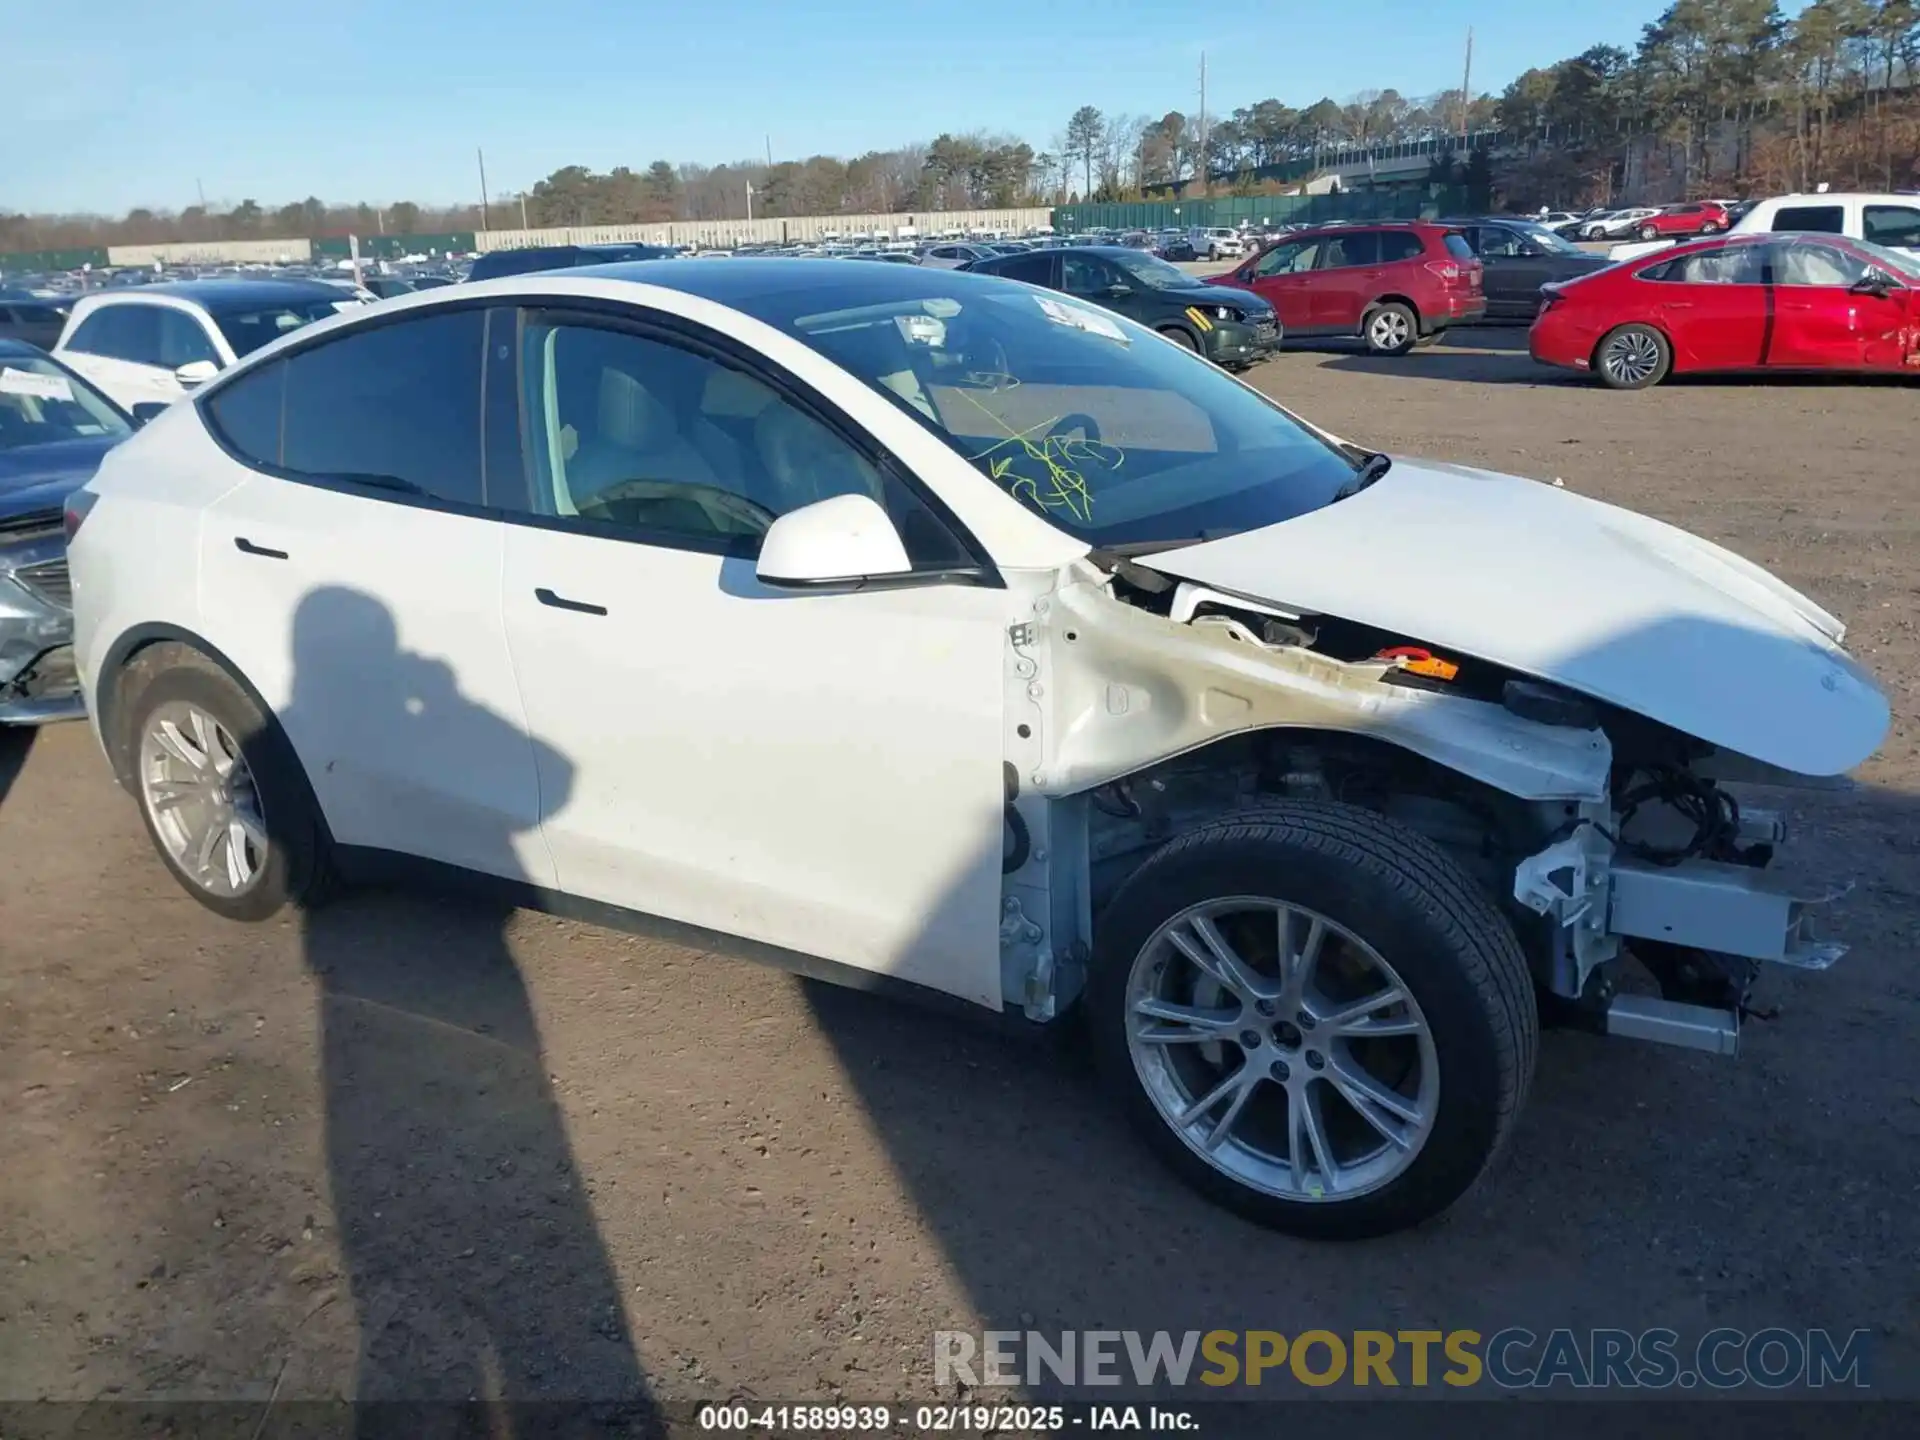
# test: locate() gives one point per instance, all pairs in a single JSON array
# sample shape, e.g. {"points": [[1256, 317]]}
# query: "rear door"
{"points": [[1347, 281], [1821, 322], [1283, 276], [1713, 305]]}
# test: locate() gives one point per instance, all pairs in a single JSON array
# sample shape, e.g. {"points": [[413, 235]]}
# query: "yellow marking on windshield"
{"points": [[1062, 486]]}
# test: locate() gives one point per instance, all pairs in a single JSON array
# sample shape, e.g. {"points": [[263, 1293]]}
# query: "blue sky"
{"points": [[116, 103]]}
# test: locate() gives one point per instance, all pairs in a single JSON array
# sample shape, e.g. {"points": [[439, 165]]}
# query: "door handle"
{"points": [[247, 547], [560, 602]]}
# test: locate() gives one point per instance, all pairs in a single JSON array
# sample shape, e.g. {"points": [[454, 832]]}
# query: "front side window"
{"points": [[1892, 225], [1495, 241], [1812, 262], [41, 404], [1155, 274], [1069, 409], [1825, 219], [1290, 257], [394, 406], [183, 340], [1088, 275], [646, 438]]}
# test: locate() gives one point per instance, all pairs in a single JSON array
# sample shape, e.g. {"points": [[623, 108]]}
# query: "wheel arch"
{"points": [[1392, 297], [121, 677], [1180, 327]]}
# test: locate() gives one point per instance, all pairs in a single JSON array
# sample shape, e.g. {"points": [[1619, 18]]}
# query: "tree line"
{"points": [[1718, 97]]}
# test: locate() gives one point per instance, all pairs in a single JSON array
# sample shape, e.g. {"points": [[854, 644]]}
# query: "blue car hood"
{"points": [[38, 478]]}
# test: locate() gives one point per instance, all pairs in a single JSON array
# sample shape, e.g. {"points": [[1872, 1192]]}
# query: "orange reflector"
{"points": [[1416, 661]]}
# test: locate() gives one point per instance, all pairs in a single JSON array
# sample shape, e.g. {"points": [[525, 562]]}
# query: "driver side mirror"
{"points": [[196, 372], [834, 544], [147, 410], [1874, 282], [1119, 289]]}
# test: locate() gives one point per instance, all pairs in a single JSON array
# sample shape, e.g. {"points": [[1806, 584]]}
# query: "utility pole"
{"points": [[202, 190], [523, 210], [482, 157], [1201, 168], [1466, 88], [749, 202], [769, 152]]}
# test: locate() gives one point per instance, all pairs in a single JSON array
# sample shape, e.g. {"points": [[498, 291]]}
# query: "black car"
{"points": [[36, 321], [1517, 257], [496, 263], [54, 427], [1232, 328]]}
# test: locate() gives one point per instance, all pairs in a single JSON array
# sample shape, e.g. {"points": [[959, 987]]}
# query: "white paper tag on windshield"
{"points": [[41, 387], [1091, 321]]}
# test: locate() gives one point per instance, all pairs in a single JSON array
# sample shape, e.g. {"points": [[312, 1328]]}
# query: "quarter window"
{"points": [[396, 407]]}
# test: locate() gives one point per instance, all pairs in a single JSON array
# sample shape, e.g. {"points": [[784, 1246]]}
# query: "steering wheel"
{"points": [[1088, 427], [754, 517]]}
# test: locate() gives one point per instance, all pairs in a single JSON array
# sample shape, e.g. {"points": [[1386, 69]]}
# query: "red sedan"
{"points": [[1696, 217], [1737, 302]]}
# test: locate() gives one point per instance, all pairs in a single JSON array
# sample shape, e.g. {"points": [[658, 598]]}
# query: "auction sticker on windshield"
{"points": [[1091, 321], [40, 387]]}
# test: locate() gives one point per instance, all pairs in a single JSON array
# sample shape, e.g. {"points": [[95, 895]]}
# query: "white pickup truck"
{"points": [[1892, 220]]}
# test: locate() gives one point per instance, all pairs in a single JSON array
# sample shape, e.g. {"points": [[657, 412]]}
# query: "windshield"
{"points": [[248, 330], [1550, 241], [1087, 419], [42, 404], [1155, 273]]}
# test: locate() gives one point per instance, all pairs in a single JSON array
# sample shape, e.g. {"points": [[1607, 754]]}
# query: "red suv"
{"points": [[1696, 217], [1393, 285]]}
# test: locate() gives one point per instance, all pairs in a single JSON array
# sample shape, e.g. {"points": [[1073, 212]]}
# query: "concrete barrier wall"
{"points": [[780, 230], [212, 252]]}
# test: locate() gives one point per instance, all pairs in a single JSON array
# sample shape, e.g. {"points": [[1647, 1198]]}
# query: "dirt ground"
{"points": [[418, 1149]]}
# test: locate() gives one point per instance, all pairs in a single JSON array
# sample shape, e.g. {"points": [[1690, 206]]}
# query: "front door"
{"points": [[820, 772], [118, 347], [354, 579], [1822, 321], [1283, 276], [1348, 279], [1101, 282], [1514, 270]]}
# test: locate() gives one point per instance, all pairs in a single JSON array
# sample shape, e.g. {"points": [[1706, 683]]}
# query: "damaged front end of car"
{"points": [[37, 680], [1141, 705]]}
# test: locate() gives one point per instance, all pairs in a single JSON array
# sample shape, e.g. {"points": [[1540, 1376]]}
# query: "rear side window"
{"points": [[1895, 225], [1826, 219], [1404, 245], [1457, 246], [246, 413], [1034, 269], [1360, 247], [397, 405]]}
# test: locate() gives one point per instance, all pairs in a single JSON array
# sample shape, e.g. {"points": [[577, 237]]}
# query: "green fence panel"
{"points": [[34, 261]]}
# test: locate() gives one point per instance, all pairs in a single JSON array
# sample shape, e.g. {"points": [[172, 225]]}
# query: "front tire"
{"points": [[1390, 329], [223, 796], [1632, 357], [1315, 1018], [1181, 338]]}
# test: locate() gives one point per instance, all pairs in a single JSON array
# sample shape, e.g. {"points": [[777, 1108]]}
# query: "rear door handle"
{"points": [[560, 602], [247, 547]]}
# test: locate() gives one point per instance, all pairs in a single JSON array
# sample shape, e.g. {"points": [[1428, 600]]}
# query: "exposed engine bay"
{"points": [[1604, 834]]}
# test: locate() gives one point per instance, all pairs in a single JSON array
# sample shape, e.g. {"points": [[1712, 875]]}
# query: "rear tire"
{"points": [[205, 758], [1647, 232], [1632, 357], [1390, 329], [1416, 1019]]}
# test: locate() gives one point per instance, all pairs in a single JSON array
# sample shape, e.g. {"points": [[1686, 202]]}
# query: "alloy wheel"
{"points": [[1631, 357], [202, 800], [1282, 1049], [1389, 330]]}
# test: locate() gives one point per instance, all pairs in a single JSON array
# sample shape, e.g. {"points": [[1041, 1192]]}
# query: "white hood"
{"points": [[1564, 588]]}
